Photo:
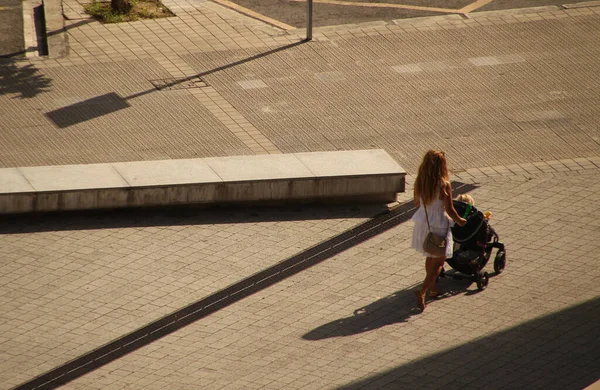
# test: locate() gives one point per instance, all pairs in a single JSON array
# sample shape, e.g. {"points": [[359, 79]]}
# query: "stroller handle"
{"points": [[468, 209]]}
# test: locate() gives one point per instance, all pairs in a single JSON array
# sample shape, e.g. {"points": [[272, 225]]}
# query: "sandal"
{"points": [[434, 294], [420, 299]]}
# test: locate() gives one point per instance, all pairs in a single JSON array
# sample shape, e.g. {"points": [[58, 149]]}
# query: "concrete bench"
{"points": [[362, 175]]}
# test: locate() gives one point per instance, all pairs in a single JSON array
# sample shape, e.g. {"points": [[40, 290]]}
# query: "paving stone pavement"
{"points": [[496, 89], [72, 284], [515, 107]]}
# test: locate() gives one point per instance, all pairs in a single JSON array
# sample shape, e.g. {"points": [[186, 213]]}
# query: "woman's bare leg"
{"points": [[433, 267], [431, 273], [437, 265], [420, 294]]}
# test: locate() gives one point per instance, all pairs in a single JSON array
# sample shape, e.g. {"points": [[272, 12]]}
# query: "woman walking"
{"points": [[435, 214]]}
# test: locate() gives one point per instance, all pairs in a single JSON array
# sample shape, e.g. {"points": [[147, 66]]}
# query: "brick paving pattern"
{"points": [[401, 87], [515, 109], [72, 285]]}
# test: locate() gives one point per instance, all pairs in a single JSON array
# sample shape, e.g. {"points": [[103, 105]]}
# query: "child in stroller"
{"points": [[475, 241]]}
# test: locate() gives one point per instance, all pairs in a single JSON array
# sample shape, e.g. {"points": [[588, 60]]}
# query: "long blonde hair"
{"points": [[432, 173]]}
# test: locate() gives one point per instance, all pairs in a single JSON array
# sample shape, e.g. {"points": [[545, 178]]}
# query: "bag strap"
{"points": [[427, 219]]}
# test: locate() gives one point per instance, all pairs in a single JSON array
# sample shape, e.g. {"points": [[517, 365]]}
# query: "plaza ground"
{"points": [[511, 97]]}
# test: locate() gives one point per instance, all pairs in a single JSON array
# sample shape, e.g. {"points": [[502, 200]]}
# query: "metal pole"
{"points": [[309, 7]]}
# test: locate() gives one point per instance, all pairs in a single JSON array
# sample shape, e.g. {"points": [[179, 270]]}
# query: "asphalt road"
{"points": [[335, 12], [11, 29]]}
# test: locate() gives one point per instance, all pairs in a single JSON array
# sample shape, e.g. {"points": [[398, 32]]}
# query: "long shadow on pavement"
{"points": [[557, 351], [111, 102], [178, 216], [392, 309], [227, 296]]}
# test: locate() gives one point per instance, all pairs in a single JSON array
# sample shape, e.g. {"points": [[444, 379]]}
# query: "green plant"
{"points": [[140, 9]]}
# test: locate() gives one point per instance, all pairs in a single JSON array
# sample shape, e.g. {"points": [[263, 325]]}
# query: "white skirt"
{"points": [[421, 230]]}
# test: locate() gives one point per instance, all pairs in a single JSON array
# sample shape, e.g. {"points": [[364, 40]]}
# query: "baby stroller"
{"points": [[476, 241]]}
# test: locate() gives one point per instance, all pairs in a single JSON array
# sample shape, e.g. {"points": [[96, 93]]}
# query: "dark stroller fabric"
{"points": [[475, 241]]}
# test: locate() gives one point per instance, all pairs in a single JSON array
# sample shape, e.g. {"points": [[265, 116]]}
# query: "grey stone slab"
{"points": [[350, 163], [17, 203], [47, 201], [250, 191], [113, 198], [69, 200], [260, 167], [73, 177], [12, 180], [363, 174], [173, 195], [582, 4], [57, 43], [166, 172]]}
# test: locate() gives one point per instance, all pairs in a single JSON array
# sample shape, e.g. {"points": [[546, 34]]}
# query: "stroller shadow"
{"points": [[454, 283], [456, 276], [467, 280], [392, 309]]}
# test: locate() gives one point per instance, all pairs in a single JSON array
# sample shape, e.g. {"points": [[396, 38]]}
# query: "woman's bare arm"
{"points": [[449, 206]]}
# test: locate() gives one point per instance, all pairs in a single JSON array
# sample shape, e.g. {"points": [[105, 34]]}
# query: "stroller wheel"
{"points": [[482, 280], [500, 262]]}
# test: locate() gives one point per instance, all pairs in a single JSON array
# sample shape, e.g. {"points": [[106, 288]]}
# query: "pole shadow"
{"points": [[112, 102], [67, 27]]}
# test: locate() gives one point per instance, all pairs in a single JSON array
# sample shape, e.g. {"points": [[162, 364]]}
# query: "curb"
{"points": [[55, 29]]}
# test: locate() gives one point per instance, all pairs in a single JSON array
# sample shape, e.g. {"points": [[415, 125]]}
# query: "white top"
{"points": [[439, 221]]}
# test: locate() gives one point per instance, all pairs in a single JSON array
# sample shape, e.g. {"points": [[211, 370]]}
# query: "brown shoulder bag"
{"points": [[434, 245]]}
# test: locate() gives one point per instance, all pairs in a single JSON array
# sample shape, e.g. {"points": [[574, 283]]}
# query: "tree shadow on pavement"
{"points": [[392, 309], [24, 80], [557, 351]]}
